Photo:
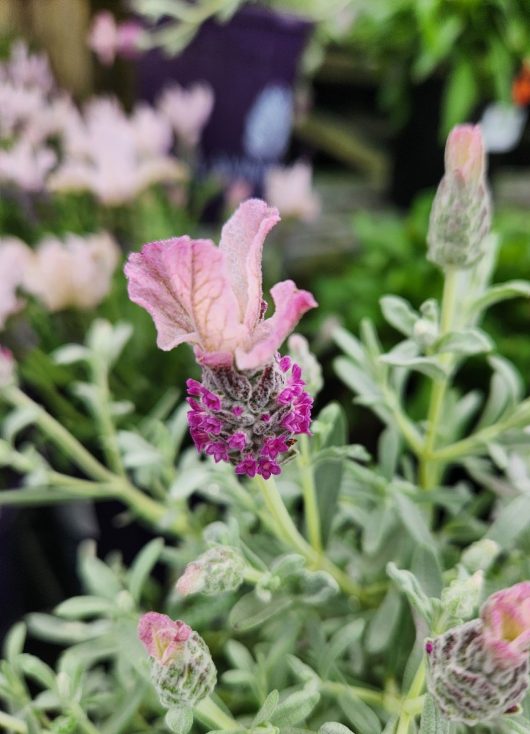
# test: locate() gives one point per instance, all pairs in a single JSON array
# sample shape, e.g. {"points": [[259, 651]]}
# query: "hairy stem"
{"points": [[409, 709], [286, 531], [212, 715], [312, 514], [429, 470], [109, 440]]}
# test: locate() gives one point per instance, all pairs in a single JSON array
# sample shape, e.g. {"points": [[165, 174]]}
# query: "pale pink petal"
{"points": [[160, 635], [242, 241], [183, 285], [291, 304]]}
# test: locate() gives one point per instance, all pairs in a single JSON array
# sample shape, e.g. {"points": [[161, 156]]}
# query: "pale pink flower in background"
{"points": [[26, 166], [152, 131], [19, 107], [103, 155], [211, 296], [109, 39], [25, 69], [161, 636], [75, 272], [290, 189], [14, 258], [465, 154], [506, 619], [187, 110], [7, 367]]}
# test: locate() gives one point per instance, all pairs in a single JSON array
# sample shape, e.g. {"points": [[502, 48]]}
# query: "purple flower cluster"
{"points": [[249, 418]]}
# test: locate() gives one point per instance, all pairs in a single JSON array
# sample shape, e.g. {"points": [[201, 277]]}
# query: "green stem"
{"points": [[409, 711], [82, 719], [428, 471], [312, 514], [252, 575], [9, 723], [212, 715], [378, 698], [287, 532], [109, 439], [62, 438]]}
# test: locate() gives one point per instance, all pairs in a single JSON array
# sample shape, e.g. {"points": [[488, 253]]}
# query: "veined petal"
{"points": [[182, 283], [291, 304], [242, 241]]}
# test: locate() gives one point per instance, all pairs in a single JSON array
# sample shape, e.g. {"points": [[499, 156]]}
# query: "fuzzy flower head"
{"points": [[251, 402], [161, 636], [506, 619], [216, 571]]}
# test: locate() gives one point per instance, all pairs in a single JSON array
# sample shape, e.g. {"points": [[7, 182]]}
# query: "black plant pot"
{"points": [[250, 63]]}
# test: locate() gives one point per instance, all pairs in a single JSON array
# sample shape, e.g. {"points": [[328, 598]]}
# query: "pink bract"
{"points": [[211, 296], [161, 636], [465, 153], [506, 619]]}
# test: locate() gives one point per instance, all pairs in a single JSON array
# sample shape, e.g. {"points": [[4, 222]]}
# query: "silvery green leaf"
{"points": [[66, 632], [108, 340], [432, 721], [295, 708], [137, 452], [378, 526], [267, 709], [510, 522], [70, 353], [350, 345], [302, 671], [333, 727], [318, 587], [383, 624], [425, 566], [465, 343], [119, 408], [249, 612], [238, 678], [78, 607], [330, 426], [357, 379], [287, 566], [409, 585], [143, 565], [47, 701], [14, 641], [240, 656], [388, 451], [506, 390], [515, 725], [328, 479], [188, 482], [501, 292], [399, 314], [36, 669], [360, 715], [179, 720], [17, 420], [341, 641], [97, 577], [413, 520], [401, 356]]}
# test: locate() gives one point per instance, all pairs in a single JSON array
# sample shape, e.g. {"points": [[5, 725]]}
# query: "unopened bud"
{"points": [[218, 570], [478, 671], [182, 671], [461, 211], [480, 555], [425, 332]]}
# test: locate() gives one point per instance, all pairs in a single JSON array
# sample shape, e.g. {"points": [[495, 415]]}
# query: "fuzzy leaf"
{"points": [[465, 343], [501, 292], [333, 727], [78, 607], [510, 522], [267, 709], [360, 715], [143, 565], [250, 612], [399, 314], [410, 586], [295, 708], [432, 721]]}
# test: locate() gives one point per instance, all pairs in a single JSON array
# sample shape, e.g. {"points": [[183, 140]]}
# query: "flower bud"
{"points": [[460, 215], [182, 671], [7, 367], [218, 570], [479, 670], [461, 597], [467, 683]]}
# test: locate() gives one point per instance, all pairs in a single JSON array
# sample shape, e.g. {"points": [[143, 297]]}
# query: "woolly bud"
{"points": [[480, 555], [249, 418], [218, 570], [461, 597], [7, 368], [460, 215], [182, 671], [467, 681]]}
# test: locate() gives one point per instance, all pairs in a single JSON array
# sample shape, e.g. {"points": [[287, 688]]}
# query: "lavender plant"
{"points": [[309, 585]]}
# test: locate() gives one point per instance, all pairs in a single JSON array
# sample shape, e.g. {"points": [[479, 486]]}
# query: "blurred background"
{"points": [[124, 122]]}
